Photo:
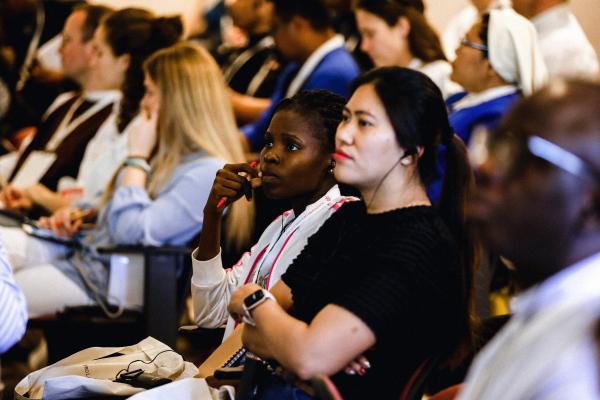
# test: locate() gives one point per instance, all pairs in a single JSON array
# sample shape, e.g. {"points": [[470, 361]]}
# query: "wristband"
{"points": [[254, 300], [137, 163]]}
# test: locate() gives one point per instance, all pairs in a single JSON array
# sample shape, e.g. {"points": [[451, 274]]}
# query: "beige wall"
{"points": [[189, 9], [439, 11], [586, 11]]}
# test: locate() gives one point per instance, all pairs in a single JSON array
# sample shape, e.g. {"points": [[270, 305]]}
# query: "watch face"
{"points": [[253, 298]]}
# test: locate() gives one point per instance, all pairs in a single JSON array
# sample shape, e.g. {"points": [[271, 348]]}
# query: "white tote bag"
{"points": [[92, 371]]}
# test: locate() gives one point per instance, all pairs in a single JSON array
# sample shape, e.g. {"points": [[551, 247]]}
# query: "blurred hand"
{"points": [[236, 304], [143, 135], [16, 198], [67, 221]]}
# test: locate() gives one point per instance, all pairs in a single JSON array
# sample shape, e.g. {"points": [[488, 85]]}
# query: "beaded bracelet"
{"points": [[137, 163]]}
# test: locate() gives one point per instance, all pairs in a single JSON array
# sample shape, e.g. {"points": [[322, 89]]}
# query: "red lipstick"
{"points": [[339, 155]]}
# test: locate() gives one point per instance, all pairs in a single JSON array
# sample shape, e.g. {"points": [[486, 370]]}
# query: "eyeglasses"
{"points": [[510, 153], [473, 45]]}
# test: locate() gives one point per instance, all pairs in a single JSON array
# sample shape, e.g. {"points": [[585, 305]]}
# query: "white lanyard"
{"points": [[68, 124], [290, 227], [245, 56]]}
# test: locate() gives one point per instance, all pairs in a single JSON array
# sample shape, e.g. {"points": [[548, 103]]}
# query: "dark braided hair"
{"points": [[138, 33], [321, 108]]}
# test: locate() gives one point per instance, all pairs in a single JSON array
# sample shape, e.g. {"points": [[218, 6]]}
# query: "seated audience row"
{"points": [[158, 195], [84, 135], [353, 288]]}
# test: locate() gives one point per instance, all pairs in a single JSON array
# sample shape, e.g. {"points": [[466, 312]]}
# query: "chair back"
{"points": [[415, 387]]}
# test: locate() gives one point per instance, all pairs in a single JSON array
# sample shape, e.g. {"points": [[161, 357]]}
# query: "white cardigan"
{"points": [[278, 246]]}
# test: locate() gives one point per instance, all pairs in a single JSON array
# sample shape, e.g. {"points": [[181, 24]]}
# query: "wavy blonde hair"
{"points": [[195, 114]]}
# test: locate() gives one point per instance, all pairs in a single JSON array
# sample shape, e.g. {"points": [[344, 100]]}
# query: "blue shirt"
{"points": [[13, 310], [174, 218], [334, 73]]}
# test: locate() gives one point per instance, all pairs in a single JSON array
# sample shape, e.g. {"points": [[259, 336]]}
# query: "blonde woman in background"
{"points": [[186, 134]]}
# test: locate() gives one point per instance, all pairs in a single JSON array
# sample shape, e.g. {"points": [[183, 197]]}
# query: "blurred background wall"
{"points": [[586, 11], [439, 12]]}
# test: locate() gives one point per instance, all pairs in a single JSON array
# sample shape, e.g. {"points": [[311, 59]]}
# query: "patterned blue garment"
{"points": [[465, 120], [487, 114], [13, 310]]}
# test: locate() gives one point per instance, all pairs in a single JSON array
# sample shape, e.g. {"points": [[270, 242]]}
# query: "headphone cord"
{"points": [[406, 154]]}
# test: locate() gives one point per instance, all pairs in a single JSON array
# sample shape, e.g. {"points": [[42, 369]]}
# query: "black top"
{"points": [[398, 272]]}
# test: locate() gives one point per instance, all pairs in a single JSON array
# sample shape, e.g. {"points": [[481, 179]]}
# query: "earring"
{"points": [[405, 161], [331, 166]]}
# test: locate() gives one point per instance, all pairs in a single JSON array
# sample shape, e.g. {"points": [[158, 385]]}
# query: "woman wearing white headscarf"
{"points": [[460, 24], [498, 62]]}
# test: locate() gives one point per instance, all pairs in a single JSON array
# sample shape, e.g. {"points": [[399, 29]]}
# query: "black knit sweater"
{"points": [[398, 272]]}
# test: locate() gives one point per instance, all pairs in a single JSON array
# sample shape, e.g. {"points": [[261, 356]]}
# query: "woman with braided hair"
{"points": [[296, 164]]}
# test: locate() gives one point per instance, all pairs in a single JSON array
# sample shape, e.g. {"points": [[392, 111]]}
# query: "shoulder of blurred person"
{"points": [[334, 72], [567, 51]]}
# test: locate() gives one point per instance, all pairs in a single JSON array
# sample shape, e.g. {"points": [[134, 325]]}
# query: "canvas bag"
{"points": [[91, 371]]}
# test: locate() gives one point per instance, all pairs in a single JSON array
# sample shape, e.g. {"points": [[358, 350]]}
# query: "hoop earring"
{"points": [[331, 166]]}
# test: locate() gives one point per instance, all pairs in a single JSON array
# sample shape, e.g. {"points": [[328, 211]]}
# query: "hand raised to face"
{"points": [[143, 135]]}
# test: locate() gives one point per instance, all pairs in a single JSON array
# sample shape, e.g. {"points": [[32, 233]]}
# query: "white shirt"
{"points": [[547, 349], [278, 246], [439, 72], [566, 50], [473, 99]]}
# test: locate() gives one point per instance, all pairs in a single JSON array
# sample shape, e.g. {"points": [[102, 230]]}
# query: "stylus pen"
{"points": [[222, 200]]}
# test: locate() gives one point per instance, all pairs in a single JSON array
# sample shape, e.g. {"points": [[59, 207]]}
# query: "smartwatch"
{"points": [[254, 300]]}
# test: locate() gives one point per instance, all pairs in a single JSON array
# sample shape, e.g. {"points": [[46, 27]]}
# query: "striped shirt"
{"points": [[13, 310]]}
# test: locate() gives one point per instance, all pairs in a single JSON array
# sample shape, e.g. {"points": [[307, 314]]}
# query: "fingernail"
{"points": [[367, 364], [350, 372], [362, 371]]}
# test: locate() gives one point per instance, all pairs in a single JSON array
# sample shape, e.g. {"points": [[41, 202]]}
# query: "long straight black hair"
{"points": [[417, 112]]}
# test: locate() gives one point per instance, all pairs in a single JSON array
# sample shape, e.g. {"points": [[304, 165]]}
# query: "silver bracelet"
{"points": [[138, 163]]}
